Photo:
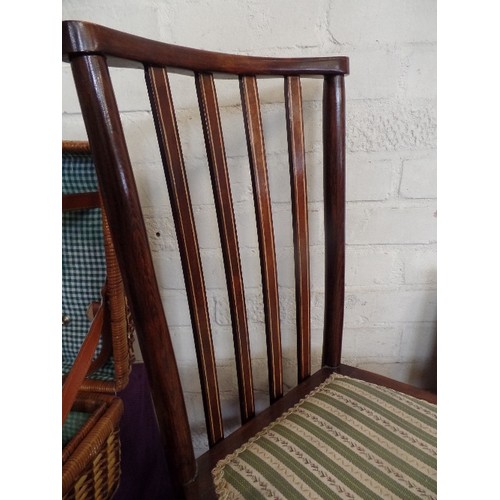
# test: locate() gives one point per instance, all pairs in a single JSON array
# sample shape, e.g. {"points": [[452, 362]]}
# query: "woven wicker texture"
{"points": [[91, 460], [347, 439], [88, 262], [83, 259]]}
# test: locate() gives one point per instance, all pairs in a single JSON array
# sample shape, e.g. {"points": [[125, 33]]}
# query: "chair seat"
{"points": [[346, 439]]}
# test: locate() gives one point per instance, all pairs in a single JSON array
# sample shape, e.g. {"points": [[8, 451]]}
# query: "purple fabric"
{"points": [[144, 470]]}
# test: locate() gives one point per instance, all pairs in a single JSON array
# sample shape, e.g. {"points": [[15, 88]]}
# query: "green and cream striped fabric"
{"points": [[346, 439]]}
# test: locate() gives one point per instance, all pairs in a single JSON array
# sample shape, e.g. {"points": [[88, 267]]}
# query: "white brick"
{"points": [[259, 372], [420, 80], [213, 269], [130, 90], [420, 265], [183, 343], [226, 374], [160, 229], [190, 134], [316, 225], [140, 135], [313, 117], [419, 179], [317, 256], [73, 128], [70, 102], [365, 267], [140, 19], [317, 310], [390, 225], [189, 376], [152, 189], [169, 271], [418, 374], [389, 306], [366, 78], [283, 230], [308, 25], [244, 27], [285, 261], [356, 22], [381, 343], [279, 178], [207, 227], [190, 23], [239, 176], [419, 343], [255, 312], [391, 136], [391, 126], [251, 270], [176, 308], [410, 373], [273, 125], [233, 129], [349, 343], [223, 343], [368, 178], [314, 172]]}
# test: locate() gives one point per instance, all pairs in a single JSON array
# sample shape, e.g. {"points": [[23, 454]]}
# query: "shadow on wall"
{"points": [[427, 372]]}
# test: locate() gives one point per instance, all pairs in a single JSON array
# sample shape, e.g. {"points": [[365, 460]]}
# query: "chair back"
{"points": [[91, 49]]}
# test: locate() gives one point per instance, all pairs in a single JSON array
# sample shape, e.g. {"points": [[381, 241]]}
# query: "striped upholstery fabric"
{"points": [[83, 261], [346, 439]]}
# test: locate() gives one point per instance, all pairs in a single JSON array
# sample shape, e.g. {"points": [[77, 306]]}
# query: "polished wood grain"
{"points": [[265, 232], [298, 183], [214, 140], [91, 49], [125, 50], [121, 202], [182, 211], [81, 201], [334, 209]]}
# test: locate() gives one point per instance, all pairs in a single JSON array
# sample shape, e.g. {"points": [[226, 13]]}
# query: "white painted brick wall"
{"points": [[390, 320]]}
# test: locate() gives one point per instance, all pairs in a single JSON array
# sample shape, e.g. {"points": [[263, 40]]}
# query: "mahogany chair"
{"points": [[363, 435]]}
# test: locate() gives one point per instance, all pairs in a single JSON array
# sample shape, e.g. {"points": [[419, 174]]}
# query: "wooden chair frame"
{"points": [[91, 49]]}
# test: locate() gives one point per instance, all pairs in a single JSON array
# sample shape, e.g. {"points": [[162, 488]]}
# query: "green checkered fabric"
{"points": [[73, 424], [347, 439], [83, 261]]}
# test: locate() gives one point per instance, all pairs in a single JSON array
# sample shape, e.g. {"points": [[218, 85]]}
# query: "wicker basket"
{"points": [[91, 444], [120, 324], [91, 459]]}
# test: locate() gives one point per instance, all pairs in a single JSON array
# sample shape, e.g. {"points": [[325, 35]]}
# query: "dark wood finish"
{"points": [[87, 47], [80, 201], [121, 202], [298, 184], [265, 232], [83, 361], [334, 208], [175, 174], [133, 51], [214, 141]]}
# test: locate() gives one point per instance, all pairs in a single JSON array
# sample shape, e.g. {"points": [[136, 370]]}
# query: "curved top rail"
{"points": [[125, 50]]}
